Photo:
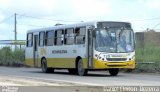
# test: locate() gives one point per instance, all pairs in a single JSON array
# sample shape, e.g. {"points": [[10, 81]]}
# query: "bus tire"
{"points": [[44, 67], [114, 71], [80, 70]]}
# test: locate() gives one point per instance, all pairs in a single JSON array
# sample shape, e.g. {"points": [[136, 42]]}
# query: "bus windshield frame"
{"points": [[114, 40]]}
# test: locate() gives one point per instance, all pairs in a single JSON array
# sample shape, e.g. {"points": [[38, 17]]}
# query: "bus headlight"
{"points": [[133, 57]]}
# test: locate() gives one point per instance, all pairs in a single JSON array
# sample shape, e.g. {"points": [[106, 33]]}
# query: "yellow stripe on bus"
{"points": [[70, 63], [57, 62]]}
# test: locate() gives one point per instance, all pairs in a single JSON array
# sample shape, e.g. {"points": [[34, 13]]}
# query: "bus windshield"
{"points": [[114, 40]]}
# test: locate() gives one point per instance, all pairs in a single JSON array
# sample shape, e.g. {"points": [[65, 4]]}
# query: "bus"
{"points": [[81, 47]]}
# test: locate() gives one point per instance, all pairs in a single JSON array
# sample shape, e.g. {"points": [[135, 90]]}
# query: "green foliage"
{"points": [[148, 50], [148, 54], [11, 58], [147, 68]]}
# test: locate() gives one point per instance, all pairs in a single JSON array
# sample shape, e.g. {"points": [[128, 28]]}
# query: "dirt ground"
{"points": [[31, 85]]}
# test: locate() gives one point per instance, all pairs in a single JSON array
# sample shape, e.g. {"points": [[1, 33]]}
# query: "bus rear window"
{"points": [[29, 40], [41, 38]]}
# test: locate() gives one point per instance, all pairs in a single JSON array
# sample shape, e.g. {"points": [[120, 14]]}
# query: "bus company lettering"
{"points": [[58, 51]]}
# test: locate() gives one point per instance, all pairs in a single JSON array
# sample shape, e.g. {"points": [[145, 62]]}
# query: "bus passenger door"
{"points": [[35, 51], [90, 48]]}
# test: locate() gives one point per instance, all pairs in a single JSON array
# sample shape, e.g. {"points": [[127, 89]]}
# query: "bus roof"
{"points": [[81, 24]]}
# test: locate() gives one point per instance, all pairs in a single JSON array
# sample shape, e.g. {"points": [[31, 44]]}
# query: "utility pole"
{"points": [[15, 31]]}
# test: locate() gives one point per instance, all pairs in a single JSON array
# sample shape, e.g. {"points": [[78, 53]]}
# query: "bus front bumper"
{"points": [[99, 64]]}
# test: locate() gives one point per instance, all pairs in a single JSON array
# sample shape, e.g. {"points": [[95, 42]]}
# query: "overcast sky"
{"points": [[33, 14]]}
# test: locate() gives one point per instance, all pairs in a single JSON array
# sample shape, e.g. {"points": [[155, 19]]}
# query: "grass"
{"points": [[149, 53], [148, 50], [11, 58]]}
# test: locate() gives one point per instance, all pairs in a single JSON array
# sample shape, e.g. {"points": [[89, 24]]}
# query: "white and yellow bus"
{"points": [[100, 45]]}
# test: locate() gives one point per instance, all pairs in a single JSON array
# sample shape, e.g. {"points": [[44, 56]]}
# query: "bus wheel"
{"points": [[113, 72], [81, 70], [45, 69], [72, 71]]}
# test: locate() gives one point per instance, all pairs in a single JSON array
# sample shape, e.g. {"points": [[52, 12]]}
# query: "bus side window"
{"points": [[80, 35], [69, 36], [29, 40], [59, 37], [49, 38], [41, 38]]}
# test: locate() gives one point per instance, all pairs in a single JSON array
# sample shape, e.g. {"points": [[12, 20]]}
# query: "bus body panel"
{"points": [[64, 62], [64, 56], [29, 56], [115, 60], [99, 64]]}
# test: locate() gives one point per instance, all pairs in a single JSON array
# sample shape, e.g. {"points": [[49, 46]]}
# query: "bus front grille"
{"points": [[116, 59], [116, 65]]}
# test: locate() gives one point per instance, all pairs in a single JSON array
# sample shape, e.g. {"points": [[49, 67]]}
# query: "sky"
{"points": [[33, 14]]}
